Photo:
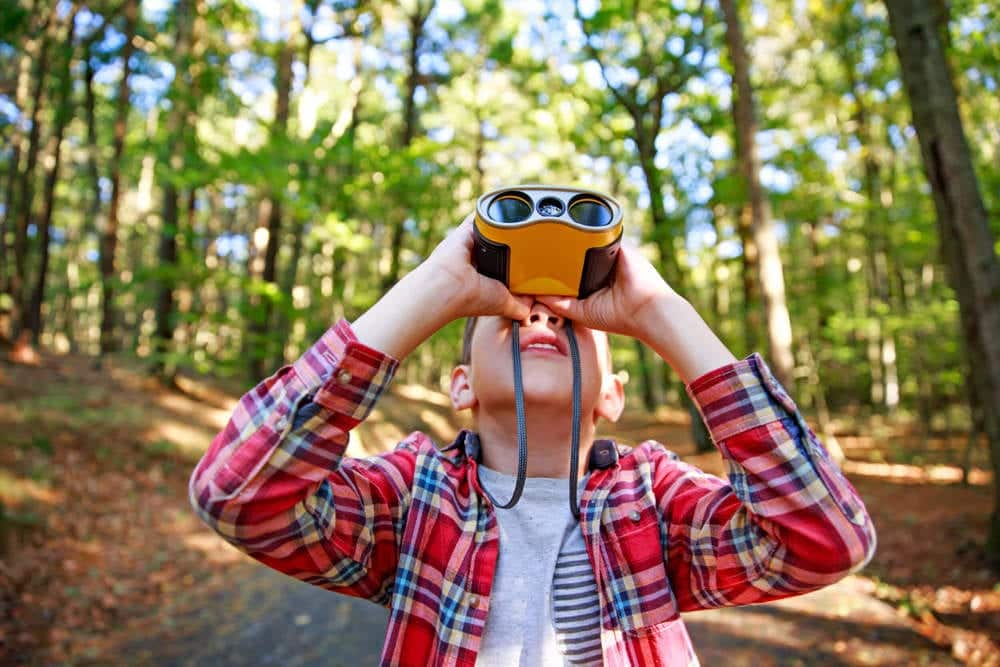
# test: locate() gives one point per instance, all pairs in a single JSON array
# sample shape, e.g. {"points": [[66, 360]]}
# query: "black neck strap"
{"points": [[522, 436]]}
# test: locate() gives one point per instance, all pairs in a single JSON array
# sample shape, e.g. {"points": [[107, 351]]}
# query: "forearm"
{"points": [[275, 482], [788, 518], [295, 422], [408, 314], [675, 331]]}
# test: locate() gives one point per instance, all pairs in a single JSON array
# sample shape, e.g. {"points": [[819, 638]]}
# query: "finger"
{"points": [[511, 306], [497, 300], [526, 300], [516, 308], [464, 230], [563, 306]]}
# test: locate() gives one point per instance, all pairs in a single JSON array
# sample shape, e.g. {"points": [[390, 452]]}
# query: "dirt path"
{"points": [[102, 561], [266, 618]]}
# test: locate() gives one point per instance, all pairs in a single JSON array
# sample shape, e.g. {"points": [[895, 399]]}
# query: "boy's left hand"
{"points": [[637, 288]]}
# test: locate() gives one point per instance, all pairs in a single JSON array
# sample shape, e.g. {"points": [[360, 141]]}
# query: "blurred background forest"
{"points": [[195, 190]]}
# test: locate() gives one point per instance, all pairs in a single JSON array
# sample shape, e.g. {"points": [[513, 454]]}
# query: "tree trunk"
{"points": [[109, 236], [18, 141], [645, 377], [25, 198], [753, 323], [180, 133], [259, 339], [967, 241], [64, 110], [94, 208], [409, 130], [283, 322], [772, 280]]}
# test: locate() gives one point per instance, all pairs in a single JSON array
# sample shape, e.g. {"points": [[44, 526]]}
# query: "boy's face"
{"points": [[486, 383]]}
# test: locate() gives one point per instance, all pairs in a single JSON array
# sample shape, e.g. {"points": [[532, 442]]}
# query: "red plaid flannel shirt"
{"points": [[412, 530]]}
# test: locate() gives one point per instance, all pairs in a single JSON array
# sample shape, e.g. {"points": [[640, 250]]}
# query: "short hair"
{"points": [[470, 328]]}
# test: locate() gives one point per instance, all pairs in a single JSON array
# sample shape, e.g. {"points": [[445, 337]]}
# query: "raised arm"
{"points": [[787, 521], [275, 482], [276, 485]]}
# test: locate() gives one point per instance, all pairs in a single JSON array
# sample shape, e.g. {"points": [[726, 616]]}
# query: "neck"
{"points": [[550, 438]]}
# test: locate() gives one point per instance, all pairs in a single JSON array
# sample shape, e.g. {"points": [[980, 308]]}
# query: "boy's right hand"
{"points": [[445, 287], [472, 293]]}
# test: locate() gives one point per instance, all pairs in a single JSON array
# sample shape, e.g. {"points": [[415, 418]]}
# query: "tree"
{"points": [[22, 202], [639, 80], [63, 111], [967, 241], [181, 140], [416, 20], [766, 256], [109, 235]]}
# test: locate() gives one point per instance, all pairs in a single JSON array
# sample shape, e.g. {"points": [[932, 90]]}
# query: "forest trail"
{"points": [[146, 583], [271, 619]]}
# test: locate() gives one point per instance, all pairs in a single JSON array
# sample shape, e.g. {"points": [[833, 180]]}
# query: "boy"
{"points": [[468, 583]]}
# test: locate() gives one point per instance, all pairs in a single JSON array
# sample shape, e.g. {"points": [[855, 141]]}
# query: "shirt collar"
{"points": [[603, 452]]}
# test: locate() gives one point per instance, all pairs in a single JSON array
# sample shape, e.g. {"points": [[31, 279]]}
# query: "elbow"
{"points": [[827, 553], [204, 498], [854, 541], [862, 548]]}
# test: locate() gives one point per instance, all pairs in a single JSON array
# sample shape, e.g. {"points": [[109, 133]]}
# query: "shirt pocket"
{"points": [[640, 590], [668, 642]]}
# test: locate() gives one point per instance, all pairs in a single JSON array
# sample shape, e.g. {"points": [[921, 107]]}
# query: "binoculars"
{"points": [[547, 240]]}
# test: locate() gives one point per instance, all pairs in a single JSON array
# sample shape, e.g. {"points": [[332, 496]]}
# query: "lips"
{"points": [[541, 340]]}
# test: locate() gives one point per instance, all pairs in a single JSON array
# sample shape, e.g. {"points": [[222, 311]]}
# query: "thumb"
{"points": [[515, 308], [501, 302]]}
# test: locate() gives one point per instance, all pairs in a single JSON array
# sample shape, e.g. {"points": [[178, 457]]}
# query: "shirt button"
{"points": [[281, 424], [344, 376], [473, 600], [634, 515]]}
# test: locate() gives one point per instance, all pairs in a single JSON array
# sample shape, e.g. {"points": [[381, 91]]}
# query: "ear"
{"points": [[462, 395], [612, 399]]}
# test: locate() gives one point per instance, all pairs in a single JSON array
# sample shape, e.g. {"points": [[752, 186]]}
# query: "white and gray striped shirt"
{"points": [[575, 606], [544, 608]]}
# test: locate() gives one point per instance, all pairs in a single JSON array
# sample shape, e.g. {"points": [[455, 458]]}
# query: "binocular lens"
{"points": [[510, 208], [590, 212]]}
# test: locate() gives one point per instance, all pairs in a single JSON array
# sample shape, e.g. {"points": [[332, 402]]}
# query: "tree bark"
{"points": [[33, 316], [967, 241], [283, 322], [770, 271], [180, 133], [417, 21], [25, 197], [109, 236], [18, 140], [752, 321], [260, 317]]}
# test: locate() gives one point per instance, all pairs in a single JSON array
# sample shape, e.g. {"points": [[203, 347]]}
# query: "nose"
{"points": [[540, 313]]}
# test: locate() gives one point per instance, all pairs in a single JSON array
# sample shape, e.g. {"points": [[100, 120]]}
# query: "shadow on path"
{"points": [[270, 619]]}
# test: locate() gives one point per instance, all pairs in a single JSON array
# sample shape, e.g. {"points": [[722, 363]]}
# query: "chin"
{"points": [[539, 398]]}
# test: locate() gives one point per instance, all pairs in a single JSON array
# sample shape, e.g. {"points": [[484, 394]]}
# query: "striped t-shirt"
{"points": [[544, 607], [575, 607]]}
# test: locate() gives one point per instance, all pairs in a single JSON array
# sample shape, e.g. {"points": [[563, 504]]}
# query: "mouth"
{"points": [[543, 344]]}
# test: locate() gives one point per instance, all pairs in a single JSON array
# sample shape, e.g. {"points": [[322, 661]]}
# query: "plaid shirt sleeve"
{"points": [[788, 522], [275, 482]]}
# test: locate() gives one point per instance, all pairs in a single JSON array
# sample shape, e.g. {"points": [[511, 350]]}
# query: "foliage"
{"points": [[558, 92]]}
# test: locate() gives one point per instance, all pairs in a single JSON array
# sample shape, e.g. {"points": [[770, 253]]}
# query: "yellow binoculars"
{"points": [[551, 240]]}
